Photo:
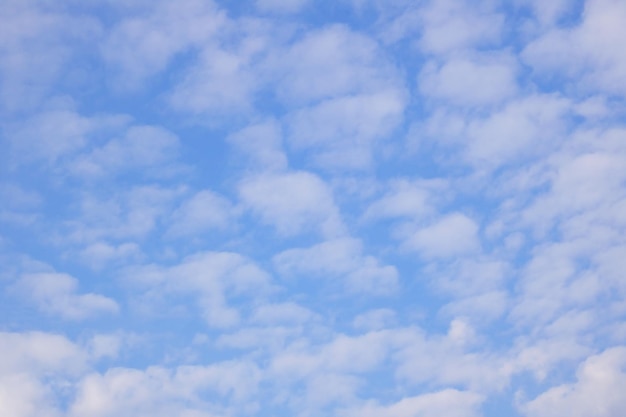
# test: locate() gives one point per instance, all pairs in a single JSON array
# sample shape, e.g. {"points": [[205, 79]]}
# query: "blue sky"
{"points": [[297, 208]]}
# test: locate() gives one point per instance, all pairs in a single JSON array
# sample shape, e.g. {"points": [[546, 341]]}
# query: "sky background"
{"points": [[348, 208]]}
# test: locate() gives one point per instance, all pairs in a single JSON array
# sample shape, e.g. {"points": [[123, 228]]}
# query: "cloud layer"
{"points": [[297, 208]]}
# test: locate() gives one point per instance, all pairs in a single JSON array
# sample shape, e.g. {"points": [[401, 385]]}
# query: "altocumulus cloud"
{"points": [[312, 208]]}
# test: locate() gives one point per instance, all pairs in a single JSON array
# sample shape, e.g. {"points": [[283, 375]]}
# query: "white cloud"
{"points": [[547, 12], [106, 345], [473, 275], [262, 144], [220, 83], [469, 82], [406, 199], [343, 132], [24, 396], [56, 294], [292, 203], [476, 287], [334, 371], [581, 183], [20, 206], [330, 63], [17, 197], [442, 27], [36, 44], [378, 319], [450, 25], [130, 213], [143, 45], [610, 264], [349, 94], [553, 282], [38, 352], [522, 128], [270, 338], [450, 402], [210, 278], [578, 216], [589, 53], [327, 388], [143, 149], [34, 368], [486, 306], [50, 135], [339, 259], [203, 211], [452, 235], [282, 313], [98, 254], [342, 354], [598, 390], [456, 359], [159, 391]]}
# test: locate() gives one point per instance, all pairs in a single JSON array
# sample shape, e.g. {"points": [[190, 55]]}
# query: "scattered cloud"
{"points": [[56, 294], [340, 259], [596, 390], [588, 52], [210, 279], [294, 208], [452, 235], [292, 202], [465, 404]]}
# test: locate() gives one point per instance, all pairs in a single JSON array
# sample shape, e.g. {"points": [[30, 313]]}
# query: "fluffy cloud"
{"points": [[220, 83], [375, 319], [142, 149], [282, 313], [453, 25], [469, 82], [201, 212], [454, 234], [589, 52], [339, 77], [548, 12], [98, 254], [292, 202], [50, 135], [262, 145], [406, 199], [333, 62], [330, 129], [339, 259], [36, 45], [160, 391], [56, 294], [520, 129], [132, 213], [141, 46], [211, 278], [451, 403], [597, 390], [39, 352], [34, 368]]}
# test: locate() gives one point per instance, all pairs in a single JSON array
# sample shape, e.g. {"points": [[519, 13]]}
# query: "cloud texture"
{"points": [[298, 208]]}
